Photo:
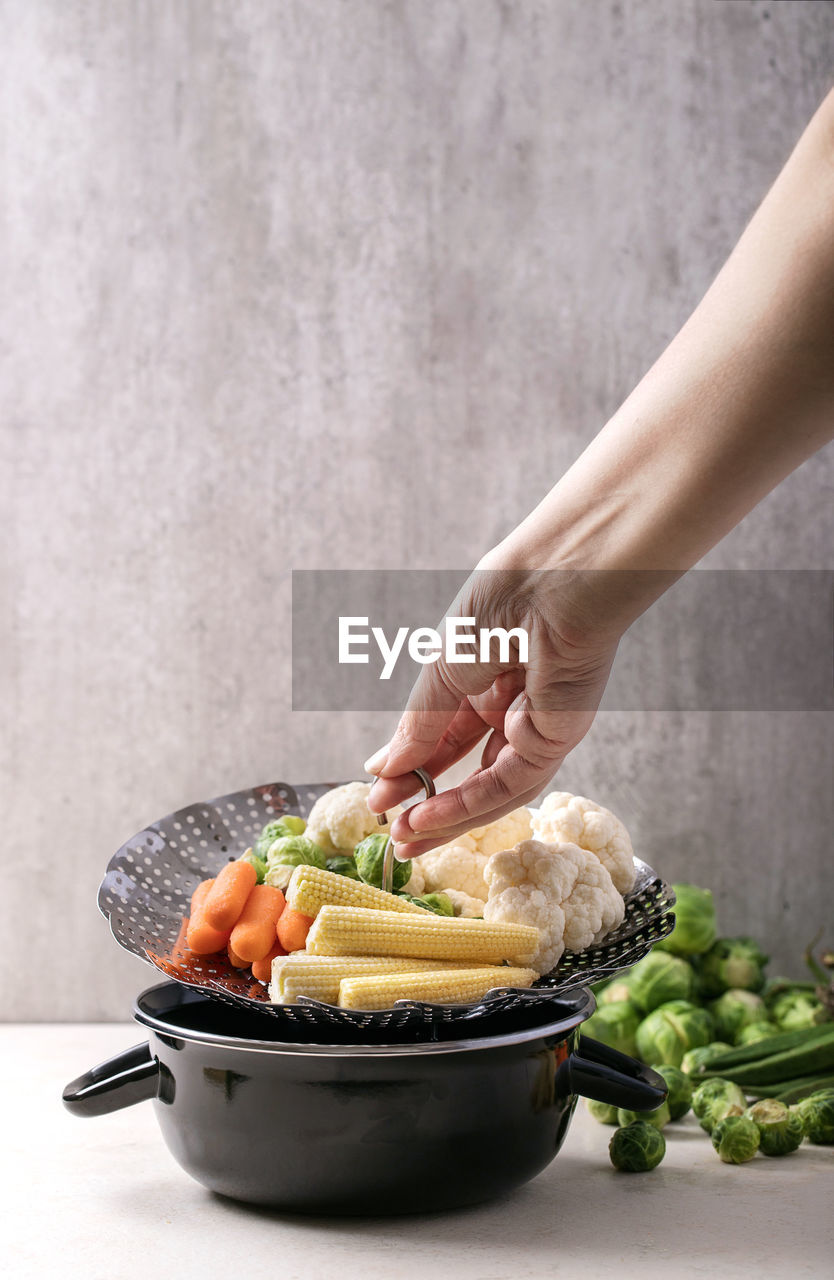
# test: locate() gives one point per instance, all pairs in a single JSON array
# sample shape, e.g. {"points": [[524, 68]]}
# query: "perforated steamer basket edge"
{"points": [[146, 891]]}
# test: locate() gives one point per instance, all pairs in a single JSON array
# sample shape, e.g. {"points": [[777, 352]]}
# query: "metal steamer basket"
{"points": [[146, 897]]}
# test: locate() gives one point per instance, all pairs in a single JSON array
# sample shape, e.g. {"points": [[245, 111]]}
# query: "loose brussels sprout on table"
{"points": [[637, 1148], [755, 1031], [715, 1100], [659, 978], [695, 1060], [731, 963], [602, 1111], [734, 1010], [658, 1118], [780, 1129], [736, 1139], [665, 1035], [615, 1025], [795, 1010], [679, 1090], [816, 1113], [615, 991], [370, 854], [695, 924]]}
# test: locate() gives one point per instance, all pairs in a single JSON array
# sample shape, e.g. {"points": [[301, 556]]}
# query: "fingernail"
{"points": [[401, 853], [374, 763]]}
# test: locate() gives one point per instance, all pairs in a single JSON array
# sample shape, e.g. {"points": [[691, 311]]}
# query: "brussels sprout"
{"points": [[696, 1060], [615, 991], [436, 902], [775, 987], [342, 865], [731, 963], [679, 1091], [637, 1148], [295, 851], [615, 1025], [780, 1129], [736, 1139], [369, 855], [695, 927], [667, 1033], [258, 863], [756, 1031], [795, 1010], [289, 825], [659, 1117], [659, 978], [602, 1111], [715, 1100], [734, 1010], [279, 876], [817, 1115]]}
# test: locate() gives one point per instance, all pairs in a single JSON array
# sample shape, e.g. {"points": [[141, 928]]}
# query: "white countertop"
{"points": [[102, 1199]]}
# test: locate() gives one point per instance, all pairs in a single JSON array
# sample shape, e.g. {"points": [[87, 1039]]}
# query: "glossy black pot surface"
{"points": [[361, 1128]]}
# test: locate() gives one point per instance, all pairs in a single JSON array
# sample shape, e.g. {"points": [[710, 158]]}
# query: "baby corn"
{"points": [[357, 931], [319, 976], [436, 986], [311, 888]]}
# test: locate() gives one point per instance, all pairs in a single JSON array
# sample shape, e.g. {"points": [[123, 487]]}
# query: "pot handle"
{"points": [[129, 1077], [606, 1075]]}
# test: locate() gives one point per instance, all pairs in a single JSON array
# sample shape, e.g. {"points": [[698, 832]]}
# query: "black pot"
{"points": [[365, 1127]]}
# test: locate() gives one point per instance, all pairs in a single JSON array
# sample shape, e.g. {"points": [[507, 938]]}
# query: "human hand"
{"points": [[743, 394], [533, 714]]}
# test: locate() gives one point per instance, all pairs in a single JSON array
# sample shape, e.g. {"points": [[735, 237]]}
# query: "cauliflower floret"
{"points": [[578, 820], [563, 890], [503, 833], [341, 818], [460, 865], [417, 881], [464, 904]]}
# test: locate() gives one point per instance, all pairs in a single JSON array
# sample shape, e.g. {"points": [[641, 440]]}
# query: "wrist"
{"points": [[590, 593]]}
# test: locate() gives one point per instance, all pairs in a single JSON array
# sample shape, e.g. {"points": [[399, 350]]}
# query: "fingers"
{"points": [[465, 730], [413, 845], [517, 764], [474, 715], [484, 796], [437, 728], [430, 709], [494, 746]]}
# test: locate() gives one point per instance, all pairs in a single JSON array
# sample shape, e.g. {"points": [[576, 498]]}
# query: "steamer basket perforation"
{"points": [[146, 894]]}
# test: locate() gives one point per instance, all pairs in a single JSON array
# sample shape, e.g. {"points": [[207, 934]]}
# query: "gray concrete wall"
{"points": [[320, 284]]}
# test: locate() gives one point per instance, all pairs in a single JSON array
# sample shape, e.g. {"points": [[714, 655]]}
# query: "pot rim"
{"points": [[567, 1022]]}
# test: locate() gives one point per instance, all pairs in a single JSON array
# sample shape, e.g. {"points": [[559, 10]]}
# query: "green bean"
{"points": [[784, 1042]]}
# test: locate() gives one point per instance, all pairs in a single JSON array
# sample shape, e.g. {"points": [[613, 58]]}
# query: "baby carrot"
{"points": [[229, 892], [254, 933], [234, 959], [202, 937], [293, 928], [262, 969]]}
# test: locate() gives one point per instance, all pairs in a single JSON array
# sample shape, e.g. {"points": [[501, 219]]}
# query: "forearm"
{"points": [[740, 398]]}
